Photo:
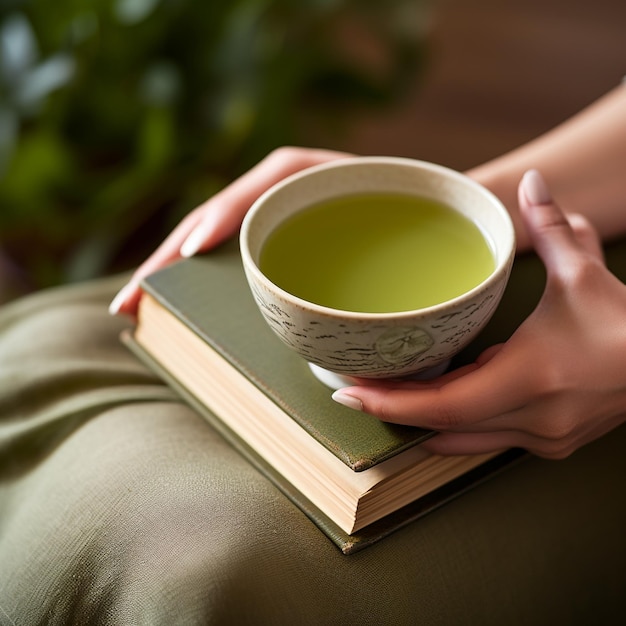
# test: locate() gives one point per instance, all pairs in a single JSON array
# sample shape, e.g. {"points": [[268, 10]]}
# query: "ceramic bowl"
{"points": [[340, 344]]}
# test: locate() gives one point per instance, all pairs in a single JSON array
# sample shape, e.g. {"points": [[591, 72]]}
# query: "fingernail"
{"points": [[347, 400], [119, 299], [192, 244], [535, 188], [201, 234]]}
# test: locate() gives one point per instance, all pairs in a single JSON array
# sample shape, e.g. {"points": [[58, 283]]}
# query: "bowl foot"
{"points": [[337, 381]]}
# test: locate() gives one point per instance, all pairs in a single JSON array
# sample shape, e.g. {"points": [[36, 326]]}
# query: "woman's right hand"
{"points": [[558, 383], [219, 217]]}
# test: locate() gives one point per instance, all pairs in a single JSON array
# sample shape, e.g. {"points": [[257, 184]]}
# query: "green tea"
{"points": [[377, 253]]}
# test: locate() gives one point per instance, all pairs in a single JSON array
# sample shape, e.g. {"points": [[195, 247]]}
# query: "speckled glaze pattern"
{"points": [[377, 348], [388, 345]]}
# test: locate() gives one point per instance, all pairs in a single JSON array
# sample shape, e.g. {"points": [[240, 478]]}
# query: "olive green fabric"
{"points": [[120, 505]]}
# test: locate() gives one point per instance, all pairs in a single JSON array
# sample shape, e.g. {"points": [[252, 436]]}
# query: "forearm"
{"points": [[583, 160]]}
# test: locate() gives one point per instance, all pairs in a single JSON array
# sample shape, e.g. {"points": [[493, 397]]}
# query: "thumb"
{"points": [[549, 229], [586, 234]]}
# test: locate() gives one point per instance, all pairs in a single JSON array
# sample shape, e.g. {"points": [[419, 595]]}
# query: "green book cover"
{"points": [[210, 296]]}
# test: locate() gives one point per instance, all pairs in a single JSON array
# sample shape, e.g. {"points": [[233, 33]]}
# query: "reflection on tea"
{"points": [[377, 253]]}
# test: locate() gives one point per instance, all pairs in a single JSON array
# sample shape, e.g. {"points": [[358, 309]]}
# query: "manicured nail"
{"points": [[192, 244], [535, 188], [119, 299], [347, 400], [201, 233]]}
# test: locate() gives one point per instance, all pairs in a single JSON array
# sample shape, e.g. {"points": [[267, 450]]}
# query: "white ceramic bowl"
{"points": [[388, 345]]}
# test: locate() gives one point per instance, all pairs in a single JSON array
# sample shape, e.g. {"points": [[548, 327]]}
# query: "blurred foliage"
{"points": [[119, 116]]}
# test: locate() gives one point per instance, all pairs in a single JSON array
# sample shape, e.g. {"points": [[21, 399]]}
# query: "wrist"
{"points": [[503, 182]]}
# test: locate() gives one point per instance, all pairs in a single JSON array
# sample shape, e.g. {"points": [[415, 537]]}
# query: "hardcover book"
{"points": [[357, 478]]}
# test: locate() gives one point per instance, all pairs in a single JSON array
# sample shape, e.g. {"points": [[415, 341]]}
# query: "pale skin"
{"points": [[560, 381]]}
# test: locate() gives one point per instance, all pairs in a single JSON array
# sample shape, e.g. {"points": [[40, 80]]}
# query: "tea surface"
{"points": [[377, 253]]}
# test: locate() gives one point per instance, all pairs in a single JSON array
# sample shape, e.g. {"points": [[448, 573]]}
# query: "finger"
{"points": [[467, 403], [489, 353], [127, 299], [219, 217], [548, 228], [223, 214], [448, 444], [586, 235]]}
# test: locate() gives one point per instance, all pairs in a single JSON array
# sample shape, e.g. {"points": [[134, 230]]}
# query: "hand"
{"points": [[219, 217], [560, 380]]}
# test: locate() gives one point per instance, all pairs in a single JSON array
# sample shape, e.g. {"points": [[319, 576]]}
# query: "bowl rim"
{"points": [[500, 271]]}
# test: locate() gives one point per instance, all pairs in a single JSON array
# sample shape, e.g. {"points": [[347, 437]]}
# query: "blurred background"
{"points": [[117, 117]]}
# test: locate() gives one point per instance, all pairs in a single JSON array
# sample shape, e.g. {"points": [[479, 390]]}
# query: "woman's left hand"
{"points": [[219, 217]]}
